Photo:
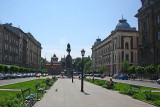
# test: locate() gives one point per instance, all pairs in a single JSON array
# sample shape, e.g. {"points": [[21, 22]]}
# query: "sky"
{"points": [[55, 23]]}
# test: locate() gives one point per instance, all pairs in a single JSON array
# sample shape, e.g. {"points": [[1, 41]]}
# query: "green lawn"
{"points": [[23, 85], [10, 99], [6, 95]]}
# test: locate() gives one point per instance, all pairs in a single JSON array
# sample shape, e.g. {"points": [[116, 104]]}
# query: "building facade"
{"points": [[149, 33], [54, 67], [120, 45], [16, 46]]}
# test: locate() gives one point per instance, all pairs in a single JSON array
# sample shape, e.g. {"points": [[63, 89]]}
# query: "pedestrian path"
{"points": [[64, 93], [10, 89]]}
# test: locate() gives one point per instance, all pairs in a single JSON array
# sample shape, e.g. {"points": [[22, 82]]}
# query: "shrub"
{"points": [[104, 86], [139, 95]]}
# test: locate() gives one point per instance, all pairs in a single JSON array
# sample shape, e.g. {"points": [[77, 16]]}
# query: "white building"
{"points": [[120, 45]]}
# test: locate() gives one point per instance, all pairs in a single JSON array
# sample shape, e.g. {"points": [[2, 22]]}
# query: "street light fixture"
{"points": [[73, 67], [82, 53]]}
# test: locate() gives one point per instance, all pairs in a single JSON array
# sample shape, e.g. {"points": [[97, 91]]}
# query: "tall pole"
{"points": [[82, 77], [72, 75]]}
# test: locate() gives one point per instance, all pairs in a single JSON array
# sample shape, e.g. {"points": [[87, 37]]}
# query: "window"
{"points": [[126, 45], [158, 35], [158, 19], [127, 57], [144, 26], [158, 51]]}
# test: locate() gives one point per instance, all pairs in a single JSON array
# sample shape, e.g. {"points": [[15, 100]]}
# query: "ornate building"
{"points": [[19, 48], [120, 45], [54, 67], [149, 32]]}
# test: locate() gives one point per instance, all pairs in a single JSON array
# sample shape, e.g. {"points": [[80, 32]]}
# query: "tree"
{"points": [[1, 67], [12, 68], [16, 69], [140, 70], [131, 69], [44, 71], [5, 68], [150, 69], [21, 69], [158, 69], [102, 69], [125, 65]]}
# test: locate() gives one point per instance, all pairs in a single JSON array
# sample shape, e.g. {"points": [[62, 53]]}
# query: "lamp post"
{"points": [[82, 53], [73, 66]]}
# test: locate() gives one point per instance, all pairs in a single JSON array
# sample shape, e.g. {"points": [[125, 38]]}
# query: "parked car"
{"points": [[19, 75], [115, 76], [33, 74], [28, 74], [6, 76], [158, 81], [38, 75], [43, 75], [103, 75], [24, 75], [1, 76], [97, 75], [14, 75], [123, 77]]}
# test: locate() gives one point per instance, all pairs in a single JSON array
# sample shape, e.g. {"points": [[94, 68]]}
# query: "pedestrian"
{"points": [[110, 83]]}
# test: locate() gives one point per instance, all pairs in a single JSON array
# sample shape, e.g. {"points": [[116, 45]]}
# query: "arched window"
{"points": [[126, 45]]}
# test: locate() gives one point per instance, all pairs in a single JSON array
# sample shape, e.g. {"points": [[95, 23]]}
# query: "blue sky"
{"points": [[54, 23]]}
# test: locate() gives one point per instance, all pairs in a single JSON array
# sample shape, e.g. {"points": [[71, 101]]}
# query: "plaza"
{"points": [[64, 93]]}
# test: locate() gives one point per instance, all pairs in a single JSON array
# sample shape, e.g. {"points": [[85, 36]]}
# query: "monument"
{"points": [[68, 62]]}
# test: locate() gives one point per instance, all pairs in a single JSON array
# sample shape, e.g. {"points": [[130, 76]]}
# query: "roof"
{"points": [[97, 41], [122, 24]]}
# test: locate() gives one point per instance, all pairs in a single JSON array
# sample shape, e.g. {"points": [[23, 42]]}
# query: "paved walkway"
{"points": [[10, 89], [64, 93]]}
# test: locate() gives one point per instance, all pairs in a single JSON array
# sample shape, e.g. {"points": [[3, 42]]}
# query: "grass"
{"points": [[152, 97], [23, 85], [146, 95], [11, 99], [6, 95]]}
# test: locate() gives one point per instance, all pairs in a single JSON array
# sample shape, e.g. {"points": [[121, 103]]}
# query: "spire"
{"points": [[122, 16]]}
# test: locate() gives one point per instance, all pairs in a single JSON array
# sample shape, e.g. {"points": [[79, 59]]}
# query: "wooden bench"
{"points": [[134, 88], [27, 95], [40, 89], [111, 86], [49, 82], [103, 82]]}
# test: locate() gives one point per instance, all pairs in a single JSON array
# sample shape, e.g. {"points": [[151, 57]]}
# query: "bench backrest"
{"points": [[24, 91], [135, 86], [37, 85]]}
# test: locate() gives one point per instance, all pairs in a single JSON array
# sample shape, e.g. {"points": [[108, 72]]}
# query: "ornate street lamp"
{"points": [[82, 53], [73, 67]]}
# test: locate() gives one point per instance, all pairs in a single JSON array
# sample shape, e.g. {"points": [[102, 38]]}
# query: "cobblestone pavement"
{"points": [[64, 93]]}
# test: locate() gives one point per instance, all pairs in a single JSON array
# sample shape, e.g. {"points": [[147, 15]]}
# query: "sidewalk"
{"points": [[64, 93]]}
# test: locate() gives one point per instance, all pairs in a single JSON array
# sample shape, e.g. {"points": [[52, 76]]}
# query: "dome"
{"points": [[97, 41], [122, 24]]}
